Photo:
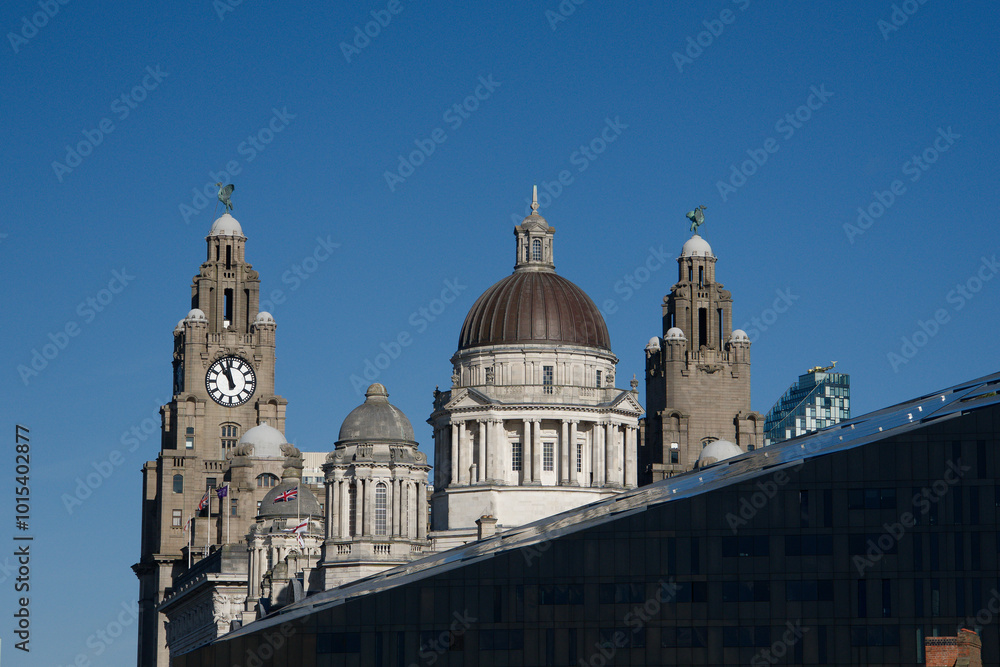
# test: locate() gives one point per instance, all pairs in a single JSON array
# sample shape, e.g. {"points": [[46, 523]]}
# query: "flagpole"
{"points": [[228, 513], [190, 539], [208, 523]]}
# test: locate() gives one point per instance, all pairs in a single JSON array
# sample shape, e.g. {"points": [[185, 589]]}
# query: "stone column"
{"points": [[574, 476], [359, 505], [464, 454], [526, 452], [599, 434], [331, 510], [421, 511], [481, 445], [453, 461], [343, 487], [500, 452], [410, 510], [536, 451], [609, 453], [564, 454], [394, 505], [630, 457]]}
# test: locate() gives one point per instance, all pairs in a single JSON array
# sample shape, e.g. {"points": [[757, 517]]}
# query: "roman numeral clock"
{"points": [[230, 381]]}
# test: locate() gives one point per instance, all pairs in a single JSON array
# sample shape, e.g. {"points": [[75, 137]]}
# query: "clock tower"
{"points": [[223, 385]]}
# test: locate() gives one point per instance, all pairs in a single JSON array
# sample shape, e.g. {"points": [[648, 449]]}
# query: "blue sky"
{"points": [[782, 118]]}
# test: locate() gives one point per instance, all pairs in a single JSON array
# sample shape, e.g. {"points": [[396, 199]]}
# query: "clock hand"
{"points": [[229, 376]]}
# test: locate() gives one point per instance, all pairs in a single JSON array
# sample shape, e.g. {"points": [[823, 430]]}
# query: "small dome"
{"points": [[653, 344], [226, 226], [304, 505], [263, 317], [376, 420], [535, 221], [696, 247], [266, 441], [179, 328], [740, 336], [675, 333], [196, 315], [716, 451]]}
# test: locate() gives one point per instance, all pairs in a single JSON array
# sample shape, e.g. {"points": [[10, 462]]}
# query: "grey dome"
{"points": [[265, 440], [376, 420], [716, 451], [305, 505]]}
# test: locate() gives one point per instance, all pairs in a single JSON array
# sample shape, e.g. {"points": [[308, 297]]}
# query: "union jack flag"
{"points": [[204, 500], [290, 494]]}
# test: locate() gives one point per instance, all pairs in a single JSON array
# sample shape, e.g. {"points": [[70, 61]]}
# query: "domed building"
{"points": [[285, 542], [697, 375], [376, 493], [533, 424]]}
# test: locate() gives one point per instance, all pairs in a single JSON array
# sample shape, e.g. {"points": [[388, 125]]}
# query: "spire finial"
{"points": [[534, 200]]}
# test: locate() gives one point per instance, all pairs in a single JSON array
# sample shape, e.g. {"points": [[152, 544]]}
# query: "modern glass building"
{"points": [[817, 400], [844, 547]]}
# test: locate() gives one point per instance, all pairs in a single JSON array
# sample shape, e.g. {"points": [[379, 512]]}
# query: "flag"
{"points": [[187, 526], [290, 494], [222, 491], [204, 500], [298, 530]]}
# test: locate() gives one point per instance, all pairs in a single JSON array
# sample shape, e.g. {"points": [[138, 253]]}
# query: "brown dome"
{"points": [[534, 307]]}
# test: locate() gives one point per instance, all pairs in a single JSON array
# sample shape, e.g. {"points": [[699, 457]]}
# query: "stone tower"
{"points": [[223, 385], [698, 374]]}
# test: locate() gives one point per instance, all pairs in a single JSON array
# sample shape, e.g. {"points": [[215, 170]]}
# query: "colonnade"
{"points": [[405, 513]]}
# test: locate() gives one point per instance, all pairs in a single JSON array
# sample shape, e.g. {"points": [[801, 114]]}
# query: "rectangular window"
{"points": [[675, 456], [579, 457], [189, 442], [515, 458], [547, 456], [547, 379], [702, 327], [352, 509], [175, 519], [209, 483], [598, 379], [380, 508], [233, 507]]}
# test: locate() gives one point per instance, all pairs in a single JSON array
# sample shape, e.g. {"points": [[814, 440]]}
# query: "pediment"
{"points": [[468, 398]]}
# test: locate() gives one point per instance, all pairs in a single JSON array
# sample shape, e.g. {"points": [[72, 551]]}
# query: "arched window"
{"points": [[380, 507], [230, 436], [266, 480], [536, 250], [352, 512], [178, 483]]}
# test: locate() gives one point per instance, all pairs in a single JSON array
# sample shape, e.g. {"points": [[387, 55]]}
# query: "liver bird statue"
{"points": [[697, 218], [224, 194]]}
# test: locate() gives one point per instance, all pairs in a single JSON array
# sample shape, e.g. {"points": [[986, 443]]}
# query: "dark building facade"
{"points": [[848, 546]]}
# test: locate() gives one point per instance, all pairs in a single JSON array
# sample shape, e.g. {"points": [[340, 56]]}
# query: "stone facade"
{"points": [[697, 374]]}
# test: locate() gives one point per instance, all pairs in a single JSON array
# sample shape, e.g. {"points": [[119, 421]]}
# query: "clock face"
{"points": [[230, 381]]}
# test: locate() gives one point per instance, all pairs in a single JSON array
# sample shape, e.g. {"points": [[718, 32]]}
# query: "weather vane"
{"points": [[696, 217], [224, 194]]}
